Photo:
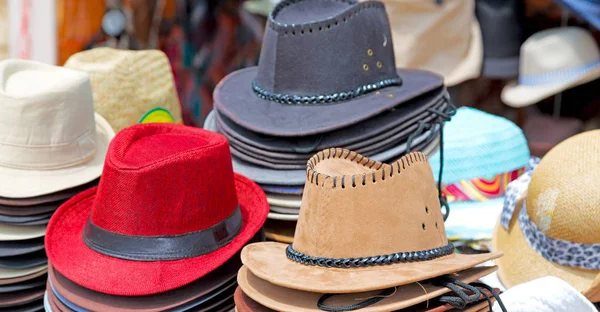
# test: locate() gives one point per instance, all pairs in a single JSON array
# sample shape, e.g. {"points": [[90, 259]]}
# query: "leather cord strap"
{"points": [[157, 248]]}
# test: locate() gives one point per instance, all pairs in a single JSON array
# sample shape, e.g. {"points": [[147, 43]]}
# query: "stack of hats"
{"points": [[130, 87], [304, 97], [370, 236], [162, 231], [482, 154], [550, 225], [52, 146]]}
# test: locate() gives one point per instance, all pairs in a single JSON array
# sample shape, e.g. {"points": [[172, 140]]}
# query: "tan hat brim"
{"points": [[280, 231], [286, 299], [522, 264], [19, 183], [470, 66], [517, 95], [268, 261]]}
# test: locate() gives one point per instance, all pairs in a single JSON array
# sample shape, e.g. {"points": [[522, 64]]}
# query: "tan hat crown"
{"points": [[379, 210], [557, 49], [563, 198], [128, 84], [46, 109]]}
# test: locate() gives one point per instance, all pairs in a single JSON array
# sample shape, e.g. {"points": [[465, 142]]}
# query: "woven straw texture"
{"points": [[128, 84], [480, 145], [564, 203]]}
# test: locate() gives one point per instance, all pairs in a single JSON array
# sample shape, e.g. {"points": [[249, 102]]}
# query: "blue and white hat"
{"points": [[553, 61]]}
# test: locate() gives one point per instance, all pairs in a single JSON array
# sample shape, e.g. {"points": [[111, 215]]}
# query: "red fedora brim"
{"points": [[70, 256]]}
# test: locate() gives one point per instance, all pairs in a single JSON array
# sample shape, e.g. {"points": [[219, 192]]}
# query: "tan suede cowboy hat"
{"points": [[50, 138], [553, 61], [130, 87], [374, 224], [551, 225], [441, 36]]}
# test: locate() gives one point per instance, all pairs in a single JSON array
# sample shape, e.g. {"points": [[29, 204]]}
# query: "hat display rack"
{"points": [[342, 172]]}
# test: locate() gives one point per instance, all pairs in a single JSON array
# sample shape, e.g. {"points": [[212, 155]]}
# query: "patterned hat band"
{"points": [[563, 252], [481, 189]]}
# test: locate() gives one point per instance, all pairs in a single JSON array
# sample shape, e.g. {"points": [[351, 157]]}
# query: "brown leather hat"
{"points": [[371, 223]]}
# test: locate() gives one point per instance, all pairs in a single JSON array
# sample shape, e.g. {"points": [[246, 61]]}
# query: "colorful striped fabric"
{"points": [[481, 189]]}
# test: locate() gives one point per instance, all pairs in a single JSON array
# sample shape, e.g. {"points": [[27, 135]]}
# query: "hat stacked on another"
{"points": [[163, 229], [303, 98], [550, 224], [52, 146], [130, 87], [482, 154], [367, 230]]}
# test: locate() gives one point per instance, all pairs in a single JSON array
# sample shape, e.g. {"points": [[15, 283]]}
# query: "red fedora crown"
{"points": [[168, 201]]}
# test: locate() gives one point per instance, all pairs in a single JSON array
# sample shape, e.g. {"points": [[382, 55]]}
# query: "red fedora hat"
{"points": [[168, 210]]}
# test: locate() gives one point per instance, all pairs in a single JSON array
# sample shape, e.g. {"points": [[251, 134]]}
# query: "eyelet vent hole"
{"points": [[423, 226], [436, 226], [426, 210]]}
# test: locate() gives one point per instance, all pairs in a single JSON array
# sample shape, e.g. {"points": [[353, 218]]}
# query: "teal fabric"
{"points": [[473, 220], [479, 145]]}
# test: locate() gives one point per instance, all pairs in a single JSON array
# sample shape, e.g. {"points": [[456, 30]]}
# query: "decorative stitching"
{"points": [[399, 257], [291, 99], [343, 17]]}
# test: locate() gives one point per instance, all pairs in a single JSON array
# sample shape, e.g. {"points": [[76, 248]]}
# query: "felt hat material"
{"points": [[231, 203], [50, 138]]}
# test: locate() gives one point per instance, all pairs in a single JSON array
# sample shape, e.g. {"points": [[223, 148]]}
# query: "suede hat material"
{"points": [[357, 136], [290, 94], [164, 186], [407, 295], [50, 138], [350, 199], [427, 142]]}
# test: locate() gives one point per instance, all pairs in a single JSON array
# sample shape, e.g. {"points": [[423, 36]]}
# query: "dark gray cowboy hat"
{"points": [[355, 137], [502, 33], [324, 65]]}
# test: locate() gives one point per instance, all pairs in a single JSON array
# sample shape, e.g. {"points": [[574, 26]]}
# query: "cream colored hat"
{"points": [[130, 87], [552, 61], [441, 36], [50, 138], [3, 29], [555, 229]]}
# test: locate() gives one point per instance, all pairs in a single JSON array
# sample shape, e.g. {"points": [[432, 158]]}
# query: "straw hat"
{"points": [[553, 61], [556, 228], [50, 138], [130, 87], [354, 210], [441, 36]]}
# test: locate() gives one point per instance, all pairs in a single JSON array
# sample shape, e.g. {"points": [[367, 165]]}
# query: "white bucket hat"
{"points": [[553, 61], [50, 138]]}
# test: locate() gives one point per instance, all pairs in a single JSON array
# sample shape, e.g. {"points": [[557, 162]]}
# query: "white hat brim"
{"points": [[516, 95], [20, 183]]}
